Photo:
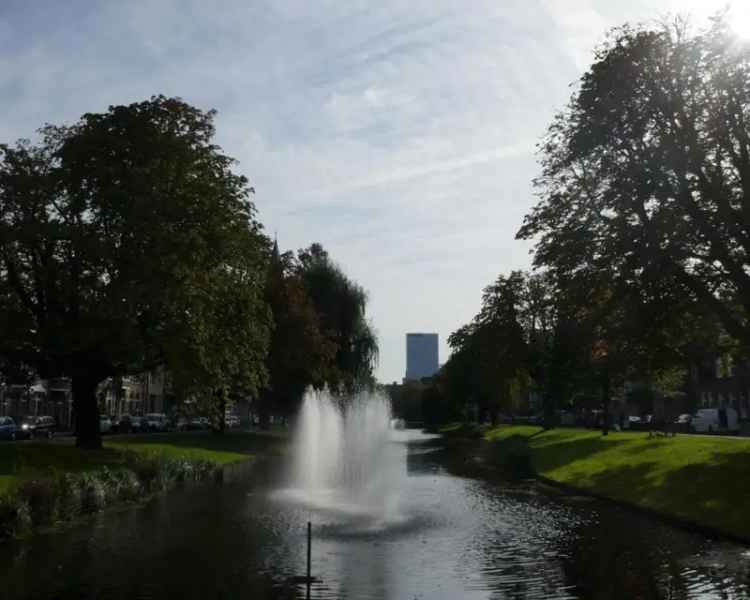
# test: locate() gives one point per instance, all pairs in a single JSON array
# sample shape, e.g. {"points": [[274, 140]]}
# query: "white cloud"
{"points": [[400, 135]]}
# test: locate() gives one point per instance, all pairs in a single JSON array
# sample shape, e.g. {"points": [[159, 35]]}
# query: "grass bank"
{"points": [[44, 483], [700, 480]]}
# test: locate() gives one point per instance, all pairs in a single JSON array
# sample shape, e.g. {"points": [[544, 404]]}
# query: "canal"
{"points": [[451, 537]]}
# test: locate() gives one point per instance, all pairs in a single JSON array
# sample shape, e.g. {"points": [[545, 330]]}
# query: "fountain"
{"points": [[344, 459]]}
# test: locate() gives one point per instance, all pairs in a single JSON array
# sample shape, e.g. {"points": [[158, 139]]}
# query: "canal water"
{"points": [[451, 537]]}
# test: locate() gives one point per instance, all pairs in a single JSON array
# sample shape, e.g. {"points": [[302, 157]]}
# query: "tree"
{"points": [[489, 355], [299, 354], [127, 242], [341, 308], [645, 179]]}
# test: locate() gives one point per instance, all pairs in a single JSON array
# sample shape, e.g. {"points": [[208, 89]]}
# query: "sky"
{"points": [[400, 135]]}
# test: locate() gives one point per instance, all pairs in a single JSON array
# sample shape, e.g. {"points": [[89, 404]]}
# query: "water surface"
{"points": [[450, 537]]}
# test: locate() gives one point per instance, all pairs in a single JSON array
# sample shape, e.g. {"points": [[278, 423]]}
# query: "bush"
{"points": [[15, 517], [513, 456], [69, 496], [39, 496], [465, 430], [64, 496], [93, 494], [518, 465]]}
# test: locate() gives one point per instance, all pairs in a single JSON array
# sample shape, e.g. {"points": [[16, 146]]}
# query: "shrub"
{"points": [[64, 496], [518, 465], [39, 496], [8, 515], [69, 496], [93, 495], [129, 487]]}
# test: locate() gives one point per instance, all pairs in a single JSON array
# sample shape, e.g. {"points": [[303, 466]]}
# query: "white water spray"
{"points": [[344, 457]]}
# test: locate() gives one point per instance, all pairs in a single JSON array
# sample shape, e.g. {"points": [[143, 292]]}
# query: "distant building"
{"points": [[720, 382], [421, 355], [49, 397], [148, 392]]}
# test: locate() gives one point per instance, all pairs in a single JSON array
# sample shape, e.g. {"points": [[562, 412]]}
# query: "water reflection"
{"points": [[458, 538]]}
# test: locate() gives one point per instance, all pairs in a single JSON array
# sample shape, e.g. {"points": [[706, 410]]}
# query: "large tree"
{"points": [[300, 355], [646, 178], [127, 242], [341, 307], [489, 356]]}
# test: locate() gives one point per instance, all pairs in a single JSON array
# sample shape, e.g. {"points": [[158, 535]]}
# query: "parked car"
{"points": [[683, 423], [234, 421], [128, 424], [105, 424], [155, 422], [715, 420], [7, 428], [633, 422], [181, 423], [36, 427], [199, 423]]}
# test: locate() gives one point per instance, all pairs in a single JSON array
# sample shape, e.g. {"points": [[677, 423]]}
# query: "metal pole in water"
{"points": [[309, 549]]}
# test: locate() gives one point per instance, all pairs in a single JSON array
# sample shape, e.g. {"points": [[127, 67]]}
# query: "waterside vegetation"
{"points": [[695, 480], [43, 484]]}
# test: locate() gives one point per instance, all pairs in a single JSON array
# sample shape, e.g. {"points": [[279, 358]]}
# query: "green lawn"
{"points": [[703, 479], [34, 459], [222, 450]]}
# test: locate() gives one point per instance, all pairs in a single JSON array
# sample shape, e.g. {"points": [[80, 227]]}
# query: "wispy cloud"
{"points": [[399, 134]]}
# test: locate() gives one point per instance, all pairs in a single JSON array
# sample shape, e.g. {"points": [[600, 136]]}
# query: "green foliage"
{"points": [[406, 401], [490, 354], [341, 308], [61, 496], [127, 242], [436, 406], [645, 194], [300, 355], [694, 478]]}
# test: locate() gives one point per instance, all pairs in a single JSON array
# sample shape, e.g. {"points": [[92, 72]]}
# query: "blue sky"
{"points": [[400, 135]]}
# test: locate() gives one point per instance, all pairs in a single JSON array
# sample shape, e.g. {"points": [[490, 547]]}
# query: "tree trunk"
{"points": [[221, 401], [605, 401], [87, 411], [548, 408]]}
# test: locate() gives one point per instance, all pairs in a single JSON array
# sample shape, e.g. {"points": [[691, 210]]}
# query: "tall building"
{"points": [[421, 355]]}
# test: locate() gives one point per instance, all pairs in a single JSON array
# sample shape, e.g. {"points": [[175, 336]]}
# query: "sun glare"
{"points": [[740, 18]]}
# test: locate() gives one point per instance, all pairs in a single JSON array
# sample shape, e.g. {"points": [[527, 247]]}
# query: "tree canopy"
{"points": [[300, 355], [126, 242], [645, 179], [341, 307]]}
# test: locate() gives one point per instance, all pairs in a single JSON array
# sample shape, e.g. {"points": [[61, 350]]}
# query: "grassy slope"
{"points": [[702, 479], [32, 459]]}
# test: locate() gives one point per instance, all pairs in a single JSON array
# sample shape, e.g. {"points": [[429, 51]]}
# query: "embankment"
{"points": [[44, 484], [701, 482]]}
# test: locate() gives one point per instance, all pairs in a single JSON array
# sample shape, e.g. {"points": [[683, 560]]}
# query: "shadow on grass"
{"points": [[713, 493], [563, 452], [553, 453]]}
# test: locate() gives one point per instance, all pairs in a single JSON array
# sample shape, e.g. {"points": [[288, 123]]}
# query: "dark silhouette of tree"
{"points": [[646, 179], [341, 308], [299, 354], [127, 242], [489, 357]]}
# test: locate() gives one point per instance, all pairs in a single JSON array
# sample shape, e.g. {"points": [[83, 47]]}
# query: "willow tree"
{"points": [[299, 355], [127, 242], [341, 305]]}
